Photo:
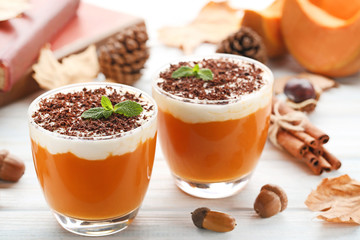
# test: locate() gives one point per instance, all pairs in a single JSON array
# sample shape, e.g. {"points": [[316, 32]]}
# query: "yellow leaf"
{"points": [[50, 73], [338, 199], [214, 23], [318, 81]]}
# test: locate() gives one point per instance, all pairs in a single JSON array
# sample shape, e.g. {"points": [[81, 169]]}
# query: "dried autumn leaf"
{"points": [[320, 82], [338, 199], [12, 8], [215, 22], [50, 73]]}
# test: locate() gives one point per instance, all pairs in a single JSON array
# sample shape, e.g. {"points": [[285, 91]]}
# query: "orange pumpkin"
{"points": [[321, 42], [338, 8], [267, 24]]}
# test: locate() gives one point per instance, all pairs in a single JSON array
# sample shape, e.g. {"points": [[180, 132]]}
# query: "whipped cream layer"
{"points": [[96, 147], [200, 111]]}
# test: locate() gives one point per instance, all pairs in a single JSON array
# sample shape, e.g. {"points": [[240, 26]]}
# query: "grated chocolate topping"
{"points": [[232, 79], [61, 113]]}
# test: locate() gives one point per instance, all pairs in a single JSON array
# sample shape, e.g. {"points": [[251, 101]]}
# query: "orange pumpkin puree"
{"points": [[213, 151], [94, 189]]}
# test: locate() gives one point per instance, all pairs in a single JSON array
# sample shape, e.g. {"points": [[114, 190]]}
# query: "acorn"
{"points": [[215, 221], [271, 200]]}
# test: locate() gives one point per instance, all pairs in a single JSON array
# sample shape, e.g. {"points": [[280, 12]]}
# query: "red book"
{"points": [[91, 25], [22, 38]]}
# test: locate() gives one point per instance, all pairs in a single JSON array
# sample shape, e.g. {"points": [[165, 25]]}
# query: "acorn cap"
{"points": [[198, 216]]}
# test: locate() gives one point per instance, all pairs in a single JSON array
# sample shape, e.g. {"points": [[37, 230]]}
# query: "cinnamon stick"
{"points": [[293, 145], [306, 138], [312, 161], [316, 133], [309, 127], [324, 164], [331, 159], [306, 145], [316, 151]]}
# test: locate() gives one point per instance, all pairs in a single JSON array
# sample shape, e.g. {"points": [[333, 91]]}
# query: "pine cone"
{"points": [[244, 42], [123, 56]]}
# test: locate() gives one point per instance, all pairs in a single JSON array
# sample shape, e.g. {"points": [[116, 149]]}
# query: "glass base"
{"points": [[212, 190], [95, 227]]}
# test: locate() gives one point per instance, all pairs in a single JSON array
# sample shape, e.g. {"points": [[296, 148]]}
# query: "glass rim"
{"points": [[267, 72], [51, 92]]}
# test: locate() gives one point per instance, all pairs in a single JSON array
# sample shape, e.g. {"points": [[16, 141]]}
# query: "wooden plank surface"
{"points": [[165, 213]]}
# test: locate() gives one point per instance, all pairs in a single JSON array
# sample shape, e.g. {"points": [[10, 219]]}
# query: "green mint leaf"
{"points": [[183, 72], [202, 73], [107, 113], [128, 108], [205, 74], [196, 68], [106, 103], [94, 113]]}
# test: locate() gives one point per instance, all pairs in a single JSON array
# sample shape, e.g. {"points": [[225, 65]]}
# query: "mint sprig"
{"points": [[202, 73], [96, 113], [106, 103], [127, 108]]}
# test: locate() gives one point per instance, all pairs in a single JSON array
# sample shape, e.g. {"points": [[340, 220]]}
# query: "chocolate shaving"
{"points": [[61, 113], [230, 81]]}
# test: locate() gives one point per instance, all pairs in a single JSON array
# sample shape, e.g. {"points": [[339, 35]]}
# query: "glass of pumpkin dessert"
{"points": [[93, 148], [213, 120]]}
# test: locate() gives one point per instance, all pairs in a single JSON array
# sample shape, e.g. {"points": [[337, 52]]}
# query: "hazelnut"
{"points": [[299, 89], [271, 200], [215, 221], [11, 167]]}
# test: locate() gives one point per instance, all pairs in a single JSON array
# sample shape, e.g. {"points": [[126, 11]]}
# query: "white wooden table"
{"points": [[165, 213]]}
